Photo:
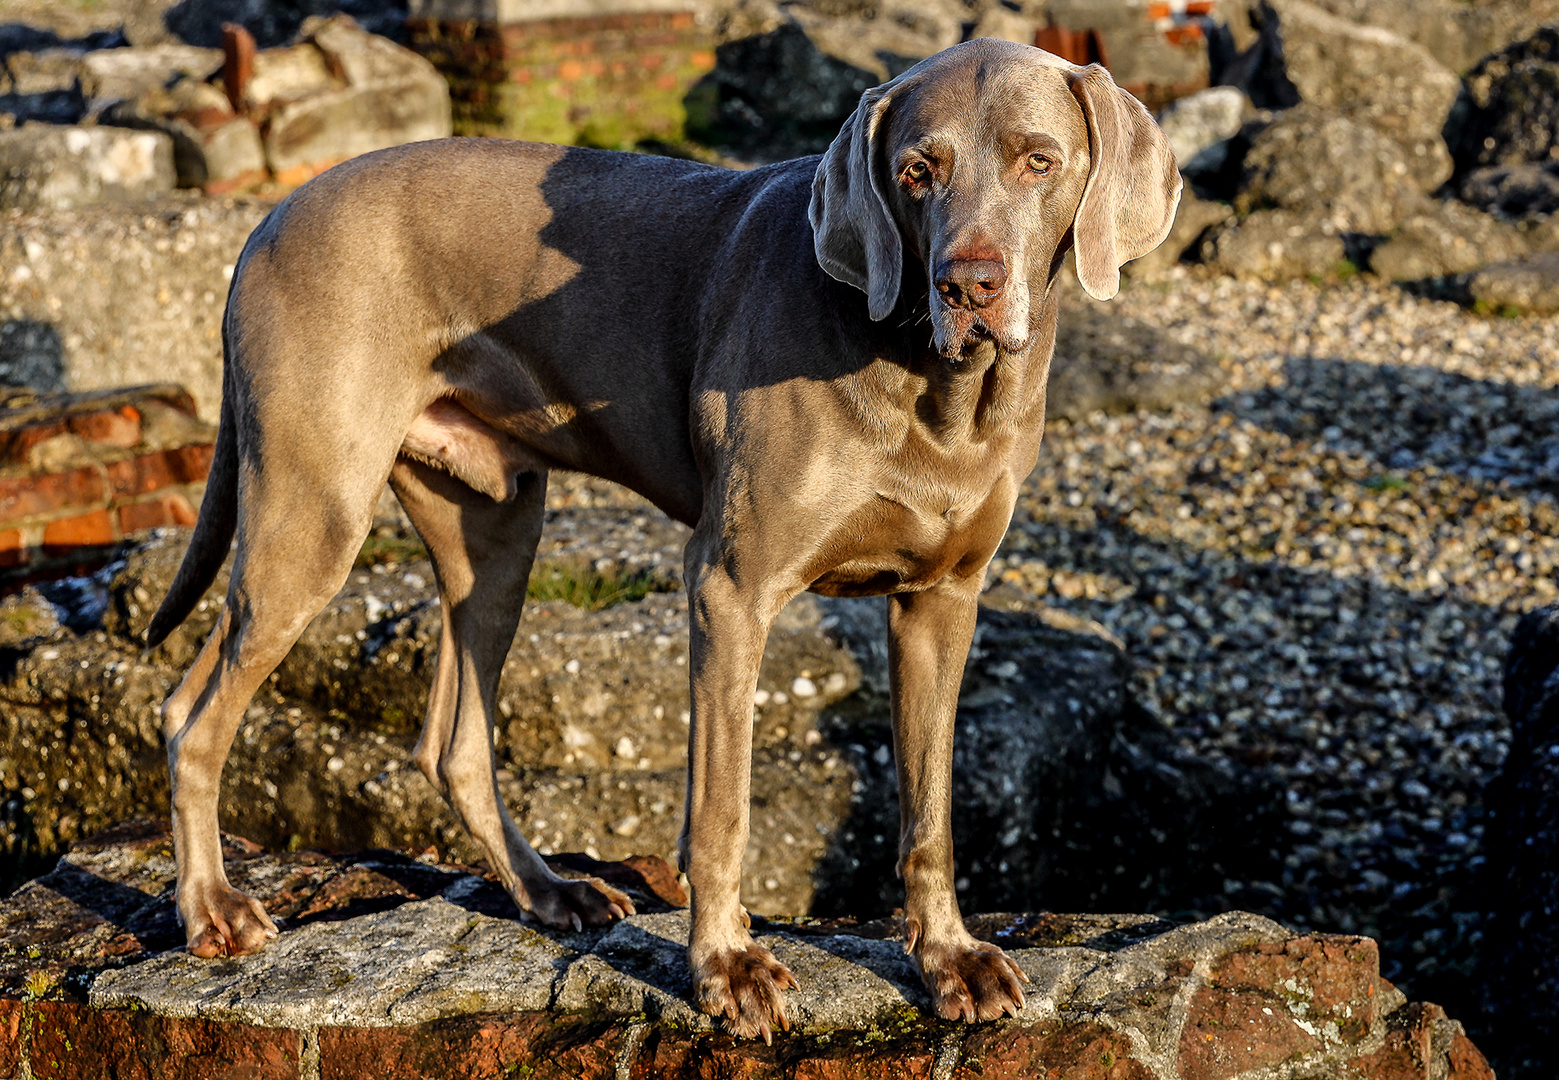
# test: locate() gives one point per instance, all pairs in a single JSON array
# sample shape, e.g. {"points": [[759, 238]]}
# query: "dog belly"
{"points": [[448, 436]]}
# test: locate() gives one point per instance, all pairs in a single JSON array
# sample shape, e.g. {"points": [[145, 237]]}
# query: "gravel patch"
{"points": [[1317, 574]]}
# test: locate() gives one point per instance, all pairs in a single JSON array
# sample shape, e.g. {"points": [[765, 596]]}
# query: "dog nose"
{"points": [[971, 283]]}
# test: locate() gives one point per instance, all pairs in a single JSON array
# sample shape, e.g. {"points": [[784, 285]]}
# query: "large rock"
{"points": [[1446, 238], [110, 75], [214, 148], [1112, 363], [1199, 120], [1521, 953], [62, 168], [1522, 285], [1528, 188], [1455, 32], [42, 86], [779, 94], [399, 967], [1336, 172], [388, 95], [1374, 77], [116, 295], [1509, 109], [1274, 245]]}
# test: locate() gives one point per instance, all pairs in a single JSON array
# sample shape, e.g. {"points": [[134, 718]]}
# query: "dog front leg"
{"points": [[929, 634], [734, 978]]}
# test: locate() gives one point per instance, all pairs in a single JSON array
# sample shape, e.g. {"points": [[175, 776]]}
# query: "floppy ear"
{"points": [[1133, 184], [853, 231]]}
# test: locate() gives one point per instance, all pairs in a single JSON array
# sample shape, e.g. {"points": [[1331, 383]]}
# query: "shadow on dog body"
{"points": [[463, 316]]}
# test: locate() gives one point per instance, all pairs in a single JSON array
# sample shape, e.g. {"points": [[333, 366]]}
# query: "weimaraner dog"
{"points": [[832, 369]]}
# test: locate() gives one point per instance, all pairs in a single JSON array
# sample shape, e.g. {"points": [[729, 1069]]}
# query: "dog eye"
{"points": [[916, 172], [1039, 163]]}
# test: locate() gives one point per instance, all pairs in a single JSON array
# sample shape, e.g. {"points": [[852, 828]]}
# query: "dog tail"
{"points": [[213, 530]]}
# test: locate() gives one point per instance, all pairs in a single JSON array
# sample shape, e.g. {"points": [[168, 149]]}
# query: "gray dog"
{"points": [[748, 350]]}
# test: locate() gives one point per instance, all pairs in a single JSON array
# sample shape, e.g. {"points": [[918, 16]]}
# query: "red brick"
{"points": [[1244, 1018], [13, 547], [536, 1045], [36, 496], [147, 473], [10, 1036], [81, 1043], [17, 445], [167, 509], [84, 529], [1075, 1051], [115, 427]]}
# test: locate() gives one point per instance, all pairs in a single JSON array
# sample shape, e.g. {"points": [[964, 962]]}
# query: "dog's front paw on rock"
{"points": [[221, 921], [573, 904], [970, 980], [743, 989]]}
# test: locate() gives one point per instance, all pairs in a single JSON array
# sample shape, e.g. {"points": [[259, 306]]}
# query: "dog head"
{"points": [[985, 161]]}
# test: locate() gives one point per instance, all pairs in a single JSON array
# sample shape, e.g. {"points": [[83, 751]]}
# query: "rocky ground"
{"points": [[1316, 575]]}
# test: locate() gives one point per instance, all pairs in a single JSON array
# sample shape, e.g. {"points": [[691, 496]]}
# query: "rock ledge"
{"points": [[402, 966]]}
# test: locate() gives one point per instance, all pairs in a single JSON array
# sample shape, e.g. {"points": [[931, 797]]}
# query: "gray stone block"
{"points": [[44, 167]]}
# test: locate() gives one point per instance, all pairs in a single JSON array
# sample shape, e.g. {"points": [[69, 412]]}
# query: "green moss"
{"points": [[583, 586], [377, 550], [1387, 482]]}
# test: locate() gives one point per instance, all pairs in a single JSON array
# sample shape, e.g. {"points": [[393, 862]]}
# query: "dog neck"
{"points": [[985, 389]]}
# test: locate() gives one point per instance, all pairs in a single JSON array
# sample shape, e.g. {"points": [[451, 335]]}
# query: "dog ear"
{"points": [[1133, 184], [853, 231]]}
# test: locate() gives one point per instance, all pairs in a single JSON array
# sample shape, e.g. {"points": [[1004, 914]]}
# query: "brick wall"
{"points": [[83, 471], [604, 80]]}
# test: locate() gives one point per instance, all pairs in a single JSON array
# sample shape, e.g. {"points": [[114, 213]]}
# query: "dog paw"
{"points": [[221, 921], [573, 904], [970, 980], [742, 989]]}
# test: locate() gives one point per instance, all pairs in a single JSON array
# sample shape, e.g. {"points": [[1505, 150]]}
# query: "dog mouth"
{"points": [[958, 332]]}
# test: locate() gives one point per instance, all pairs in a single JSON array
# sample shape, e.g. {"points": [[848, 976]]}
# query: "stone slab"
{"points": [[401, 966]]}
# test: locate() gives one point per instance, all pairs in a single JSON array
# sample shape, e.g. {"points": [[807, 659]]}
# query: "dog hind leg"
{"points": [[482, 554], [288, 567]]}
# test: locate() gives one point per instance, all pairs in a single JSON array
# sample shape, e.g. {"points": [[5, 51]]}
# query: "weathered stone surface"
{"points": [[1199, 120], [1104, 362], [1509, 109], [110, 75], [1529, 285], [116, 295], [388, 960], [1338, 173], [1274, 245], [391, 96], [41, 86], [779, 93], [1456, 33], [1447, 238], [1374, 77], [1514, 190], [62, 168]]}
